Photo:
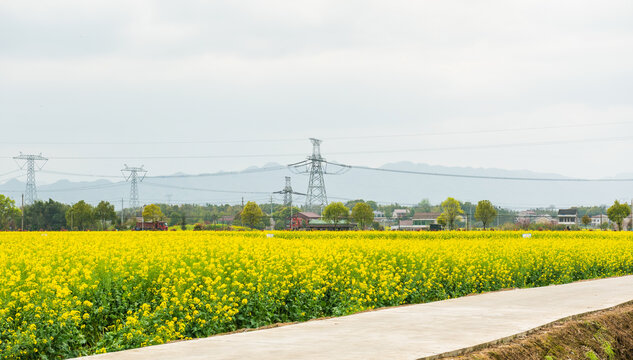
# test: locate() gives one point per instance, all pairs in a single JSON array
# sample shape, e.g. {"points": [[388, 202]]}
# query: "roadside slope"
{"points": [[606, 334]]}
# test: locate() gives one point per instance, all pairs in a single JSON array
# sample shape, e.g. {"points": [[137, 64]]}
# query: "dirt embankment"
{"points": [[605, 335]]}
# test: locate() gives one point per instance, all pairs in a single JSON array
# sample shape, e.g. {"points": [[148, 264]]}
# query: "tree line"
{"points": [[53, 215]]}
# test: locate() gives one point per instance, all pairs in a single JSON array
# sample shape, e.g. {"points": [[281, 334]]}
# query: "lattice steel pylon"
{"points": [[315, 166], [134, 178], [287, 192], [317, 196], [29, 161]]}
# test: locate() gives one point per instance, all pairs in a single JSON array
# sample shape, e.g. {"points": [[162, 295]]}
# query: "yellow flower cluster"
{"points": [[70, 294]]}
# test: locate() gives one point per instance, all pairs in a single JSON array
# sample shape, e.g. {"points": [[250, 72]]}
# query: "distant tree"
{"points": [[618, 212], [9, 213], [424, 205], [282, 216], [441, 220], [152, 213], [183, 222], [104, 212], [485, 212], [49, 215], [215, 217], [362, 214], [586, 220], [451, 211], [335, 212], [251, 214], [350, 204], [80, 216], [373, 205]]}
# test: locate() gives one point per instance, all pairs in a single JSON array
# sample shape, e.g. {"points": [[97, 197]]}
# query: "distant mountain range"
{"points": [[385, 187]]}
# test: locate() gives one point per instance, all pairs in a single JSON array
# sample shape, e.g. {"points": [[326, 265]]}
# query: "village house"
{"points": [[425, 219], [598, 220], [302, 219], [400, 213], [568, 217]]}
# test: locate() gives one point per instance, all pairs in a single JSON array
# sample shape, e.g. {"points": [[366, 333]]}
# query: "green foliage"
{"points": [[335, 212], [424, 206], [618, 212], [252, 214], [152, 213], [441, 220], [586, 220], [485, 212], [9, 214], [80, 216], [362, 214], [451, 211], [283, 215], [104, 212], [49, 215]]}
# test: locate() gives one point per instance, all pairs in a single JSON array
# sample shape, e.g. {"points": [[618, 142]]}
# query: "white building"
{"points": [[598, 220], [400, 213], [568, 217]]}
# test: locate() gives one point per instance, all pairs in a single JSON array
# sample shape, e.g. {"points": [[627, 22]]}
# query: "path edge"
{"points": [[507, 339]]}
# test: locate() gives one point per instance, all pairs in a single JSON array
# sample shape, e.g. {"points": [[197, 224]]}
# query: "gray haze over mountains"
{"points": [[383, 187]]}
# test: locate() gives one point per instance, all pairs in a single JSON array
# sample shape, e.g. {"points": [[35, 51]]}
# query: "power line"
{"points": [[220, 173], [207, 190], [82, 175], [489, 131], [358, 152], [268, 140], [513, 178], [95, 187]]}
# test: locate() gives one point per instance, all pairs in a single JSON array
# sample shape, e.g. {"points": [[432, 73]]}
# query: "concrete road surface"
{"points": [[407, 332]]}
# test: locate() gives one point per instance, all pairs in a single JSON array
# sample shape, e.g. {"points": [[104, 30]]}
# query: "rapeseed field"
{"points": [[69, 294]]}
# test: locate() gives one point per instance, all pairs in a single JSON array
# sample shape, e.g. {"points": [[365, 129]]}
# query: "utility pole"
{"points": [[467, 221], [134, 178], [28, 161], [121, 212], [22, 228], [272, 221]]}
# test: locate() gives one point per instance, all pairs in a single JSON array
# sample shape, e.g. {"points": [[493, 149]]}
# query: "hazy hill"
{"points": [[356, 183]]}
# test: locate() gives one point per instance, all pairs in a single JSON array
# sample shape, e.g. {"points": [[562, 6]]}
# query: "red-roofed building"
{"points": [[302, 219]]}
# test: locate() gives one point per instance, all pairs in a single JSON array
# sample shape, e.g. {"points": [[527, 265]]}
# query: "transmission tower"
{"points": [[136, 175], [287, 192], [29, 161], [316, 166]]}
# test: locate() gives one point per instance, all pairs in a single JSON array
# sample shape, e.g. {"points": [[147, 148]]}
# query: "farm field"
{"points": [[70, 294]]}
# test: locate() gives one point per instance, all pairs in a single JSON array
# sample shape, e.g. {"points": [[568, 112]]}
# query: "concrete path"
{"points": [[407, 332]]}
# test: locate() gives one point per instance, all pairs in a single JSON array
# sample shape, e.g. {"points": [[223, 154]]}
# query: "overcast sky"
{"points": [[84, 79]]}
